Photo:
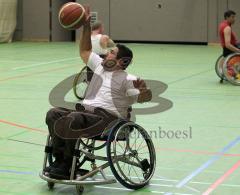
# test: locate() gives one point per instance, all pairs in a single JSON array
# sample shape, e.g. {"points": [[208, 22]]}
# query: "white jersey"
{"points": [[96, 47], [112, 91]]}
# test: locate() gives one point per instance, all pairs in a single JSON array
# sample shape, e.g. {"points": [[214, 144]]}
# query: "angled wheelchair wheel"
{"points": [[219, 67], [231, 69], [131, 155], [80, 84]]}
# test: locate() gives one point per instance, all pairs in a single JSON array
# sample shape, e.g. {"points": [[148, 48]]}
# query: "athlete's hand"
{"points": [[145, 93], [139, 84], [87, 14]]}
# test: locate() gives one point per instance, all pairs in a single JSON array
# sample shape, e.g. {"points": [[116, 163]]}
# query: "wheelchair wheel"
{"points": [[80, 84], [219, 67], [231, 69], [131, 155]]}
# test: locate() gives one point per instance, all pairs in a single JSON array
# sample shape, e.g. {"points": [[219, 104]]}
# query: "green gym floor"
{"points": [[207, 161]]}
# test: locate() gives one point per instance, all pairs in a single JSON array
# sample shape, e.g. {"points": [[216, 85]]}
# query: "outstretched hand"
{"points": [[139, 84], [145, 93]]}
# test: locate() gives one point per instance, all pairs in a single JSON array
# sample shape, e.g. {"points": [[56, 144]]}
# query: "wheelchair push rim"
{"points": [[231, 69], [131, 155]]}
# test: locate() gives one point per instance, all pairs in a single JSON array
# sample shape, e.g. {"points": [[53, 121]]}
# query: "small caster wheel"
{"points": [[79, 189], [50, 185], [221, 81]]}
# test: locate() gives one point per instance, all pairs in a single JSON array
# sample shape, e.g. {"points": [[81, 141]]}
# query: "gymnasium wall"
{"points": [[132, 20]]}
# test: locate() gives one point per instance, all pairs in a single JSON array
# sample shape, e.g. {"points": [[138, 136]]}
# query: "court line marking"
{"points": [[185, 169], [36, 73], [125, 189], [208, 163], [46, 133], [175, 181], [17, 134], [205, 165], [190, 76], [222, 178], [162, 179], [18, 172], [194, 182], [157, 148], [45, 63], [164, 185], [196, 151], [192, 189], [26, 142], [21, 126]]}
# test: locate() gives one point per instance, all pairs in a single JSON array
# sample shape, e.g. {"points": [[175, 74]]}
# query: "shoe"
{"points": [[60, 172], [55, 164], [81, 172]]}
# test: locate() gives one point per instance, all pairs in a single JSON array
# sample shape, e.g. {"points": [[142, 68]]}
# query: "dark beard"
{"points": [[108, 65]]}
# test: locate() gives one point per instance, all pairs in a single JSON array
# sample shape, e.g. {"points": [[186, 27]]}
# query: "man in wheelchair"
{"points": [[227, 36], [109, 95]]}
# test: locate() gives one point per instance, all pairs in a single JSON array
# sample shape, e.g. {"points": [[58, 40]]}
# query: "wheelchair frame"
{"points": [[88, 151]]}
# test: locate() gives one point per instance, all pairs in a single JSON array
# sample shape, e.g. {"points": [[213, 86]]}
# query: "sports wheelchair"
{"points": [[228, 68], [130, 154]]}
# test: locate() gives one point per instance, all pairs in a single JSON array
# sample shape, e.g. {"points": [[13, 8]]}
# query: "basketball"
{"points": [[72, 16]]}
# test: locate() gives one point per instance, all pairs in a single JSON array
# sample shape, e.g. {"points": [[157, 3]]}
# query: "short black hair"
{"points": [[228, 13], [124, 53]]}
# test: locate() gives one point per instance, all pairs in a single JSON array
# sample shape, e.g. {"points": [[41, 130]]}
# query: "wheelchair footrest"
{"points": [[77, 182]]}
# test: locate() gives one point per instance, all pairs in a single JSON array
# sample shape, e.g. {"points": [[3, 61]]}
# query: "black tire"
{"points": [[115, 167], [218, 69], [235, 80]]}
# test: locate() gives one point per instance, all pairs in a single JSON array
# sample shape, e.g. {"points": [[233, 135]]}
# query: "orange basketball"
{"points": [[72, 16]]}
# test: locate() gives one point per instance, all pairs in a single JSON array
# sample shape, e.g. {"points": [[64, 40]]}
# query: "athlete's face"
{"points": [[110, 62], [231, 19]]}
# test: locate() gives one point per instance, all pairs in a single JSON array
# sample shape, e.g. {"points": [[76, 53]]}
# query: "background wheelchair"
{"points": [[130, 153], [228, 68], [81, 81]]}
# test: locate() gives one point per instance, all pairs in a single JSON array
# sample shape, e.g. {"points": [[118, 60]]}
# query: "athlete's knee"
{"points": [[52, 115], [77, 120]]}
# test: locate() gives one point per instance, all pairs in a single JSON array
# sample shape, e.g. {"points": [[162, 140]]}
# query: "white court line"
{"points": [[175, 169], [160, 178], [45, 63], [195, 182], [125, 189], [113, 188], [192, 189], [161, 185]]}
